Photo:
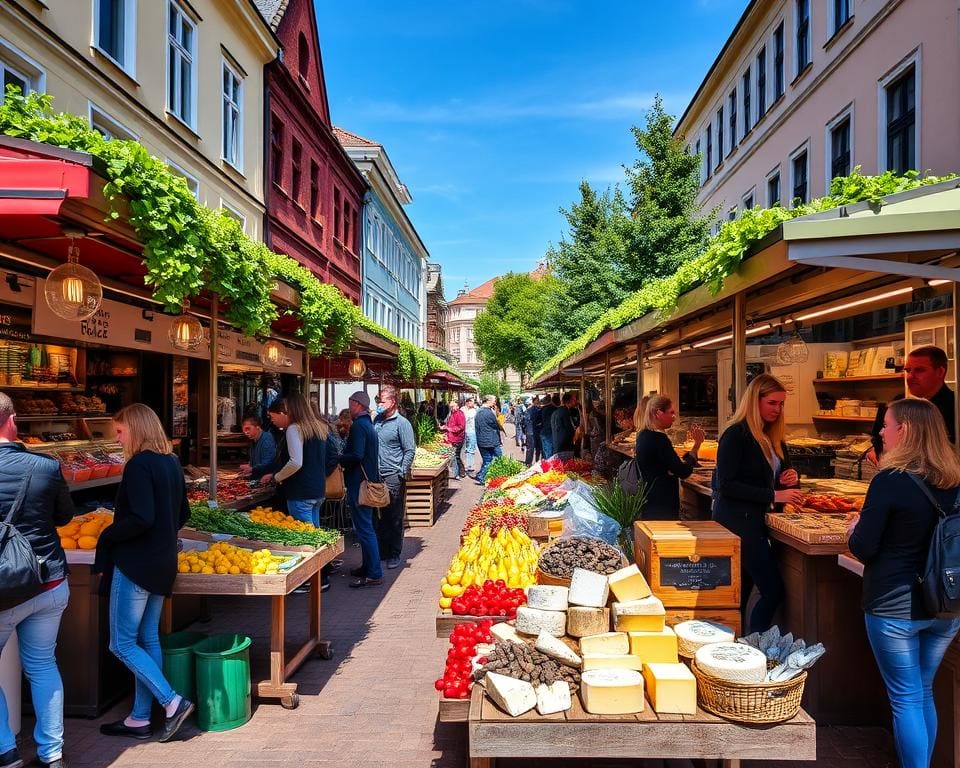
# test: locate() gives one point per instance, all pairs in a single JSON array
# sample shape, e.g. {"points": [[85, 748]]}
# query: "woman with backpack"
{"points": [[891, 536]]}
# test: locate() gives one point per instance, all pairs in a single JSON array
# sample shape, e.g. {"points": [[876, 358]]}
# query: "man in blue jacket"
{"points": [[360, 460], [488, 435]]}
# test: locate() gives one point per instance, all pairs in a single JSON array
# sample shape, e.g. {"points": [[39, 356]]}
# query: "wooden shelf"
{"points": [[61, 417], [878, 377], [113, 480], [39, 389], [871, 419]]}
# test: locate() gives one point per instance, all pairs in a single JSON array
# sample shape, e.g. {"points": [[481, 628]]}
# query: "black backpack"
{"points": [[940, 580], [20, 577]]}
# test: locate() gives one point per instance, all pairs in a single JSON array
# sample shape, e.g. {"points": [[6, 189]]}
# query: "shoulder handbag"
{"points": [[375, 495], [20, 577], [336, 488], [940, 579], [628, 476]]}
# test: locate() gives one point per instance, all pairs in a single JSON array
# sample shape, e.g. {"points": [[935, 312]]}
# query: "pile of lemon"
{"points": [[270, 516], [222, 558], [83, 532]]}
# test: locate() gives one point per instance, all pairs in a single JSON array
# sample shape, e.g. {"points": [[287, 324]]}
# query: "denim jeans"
{"points": [[390, 524], [908, 654], [470, 449], [305, 510], [459, 470], [534, 448], [488, 454], [546, 444], [135, 640], [366, 535], [37, 623]]}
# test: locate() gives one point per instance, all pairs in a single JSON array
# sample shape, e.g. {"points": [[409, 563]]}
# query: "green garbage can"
{"points": [[178, 665], [223, 682]]}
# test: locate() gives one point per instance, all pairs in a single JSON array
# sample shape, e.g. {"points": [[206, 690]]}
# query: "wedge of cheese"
{"points": [[644, 615], [588, 588], [612, 661], [672, 688], [628, 584], [547, 598], [655, 647], [506, 633], [553, 698], [555, 648], [512, 696], [587, 621], [694, 634], [612, 691], [532, 621], [734, 662], [607, 642]]}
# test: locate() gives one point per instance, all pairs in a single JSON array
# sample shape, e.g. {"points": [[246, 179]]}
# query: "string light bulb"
{"points": [[72, 291], [356, 367], [185, 332], [271, 354]]}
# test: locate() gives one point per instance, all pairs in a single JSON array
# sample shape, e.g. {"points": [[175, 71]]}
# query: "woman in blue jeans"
{"points": [[891, 537], [138, 556]]}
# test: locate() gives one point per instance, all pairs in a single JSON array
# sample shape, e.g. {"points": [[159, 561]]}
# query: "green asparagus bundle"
{"points": [[219, 521]]}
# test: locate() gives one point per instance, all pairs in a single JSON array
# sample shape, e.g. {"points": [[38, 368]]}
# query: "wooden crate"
{"points": [[447, 620], [426, 491], [453, 710], [728, 617], [811, 527], [689, 563]]}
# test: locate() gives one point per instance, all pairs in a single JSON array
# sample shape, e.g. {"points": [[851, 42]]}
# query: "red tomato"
{"points": [[439, 684]]}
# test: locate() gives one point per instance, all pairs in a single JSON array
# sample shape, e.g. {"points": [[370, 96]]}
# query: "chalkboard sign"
{"points": [[696, 574]]}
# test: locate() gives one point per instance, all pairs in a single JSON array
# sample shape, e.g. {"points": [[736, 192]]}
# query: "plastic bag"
{"points": [[582, 518]]}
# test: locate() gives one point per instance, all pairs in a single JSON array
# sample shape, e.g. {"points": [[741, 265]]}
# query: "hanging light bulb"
{"points": [[185, 332], [356, 367], [72, 291], [793, 350], [271, 355]]}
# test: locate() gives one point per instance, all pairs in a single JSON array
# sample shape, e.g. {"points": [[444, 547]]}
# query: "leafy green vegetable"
{"points": [[625, 508], [503, 466], [220, 521]]}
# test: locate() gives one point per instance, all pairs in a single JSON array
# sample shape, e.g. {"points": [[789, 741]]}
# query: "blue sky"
{"points": [[492, 111]]}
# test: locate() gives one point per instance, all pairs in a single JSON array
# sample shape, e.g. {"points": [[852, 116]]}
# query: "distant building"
{"points": [[436, 308], [805, 91], [394, 258], [314, 193]]}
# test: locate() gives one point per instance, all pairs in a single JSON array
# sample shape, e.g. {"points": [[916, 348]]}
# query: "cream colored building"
{"points": [[185, 79]]}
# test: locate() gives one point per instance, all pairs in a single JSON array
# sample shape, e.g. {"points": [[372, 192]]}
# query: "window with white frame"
{"points": [[369, 238], [839, 144], [19, 70], [773, 187], [107, 127], [181, 69], [233, 213], [193, 183], [840, 15], [899, 93], [114, 31], [719, 137], [746, 90], [802, 54], [733, 119], [800, 175], [232, 116], [732, 213], [748, 200]]}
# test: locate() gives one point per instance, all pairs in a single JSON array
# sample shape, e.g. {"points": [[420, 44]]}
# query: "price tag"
{"points": [[212, 503]]}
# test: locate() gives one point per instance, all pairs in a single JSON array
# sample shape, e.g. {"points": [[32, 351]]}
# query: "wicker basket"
{"points": [[756, 703], [560, 581]]}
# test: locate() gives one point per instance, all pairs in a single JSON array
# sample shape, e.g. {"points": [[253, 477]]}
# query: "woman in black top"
{"points": [[658, 463], [138, 556], [891, 536], [753, 473]]}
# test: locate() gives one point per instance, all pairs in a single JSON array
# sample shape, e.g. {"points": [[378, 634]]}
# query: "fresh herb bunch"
{"points": [[625, 508], [219, 521], [424, 428], [504, 466]]}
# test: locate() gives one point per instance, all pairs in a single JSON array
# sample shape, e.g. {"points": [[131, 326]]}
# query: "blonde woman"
{"points": [[640, 413], [753, 473], [658, 463], [138, 556], [891, 536], [311, 456]]}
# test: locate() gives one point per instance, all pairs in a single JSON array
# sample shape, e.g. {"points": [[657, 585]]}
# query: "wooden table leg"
{"points": [[481, 762], [276, 687], [735, 763]]}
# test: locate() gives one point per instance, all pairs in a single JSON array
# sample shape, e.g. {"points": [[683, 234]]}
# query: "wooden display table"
{"points": [[426, 490], [577, 734], [277, 587]]}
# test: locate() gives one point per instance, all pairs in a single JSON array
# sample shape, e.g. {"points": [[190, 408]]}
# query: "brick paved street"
{"points": [[373, 704]]}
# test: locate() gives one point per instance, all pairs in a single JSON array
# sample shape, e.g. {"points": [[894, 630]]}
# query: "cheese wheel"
{"points": [[588, 588], [612, 691], [733, 662], [694, 634], [531, 621], [587, 621], [547, 598]]}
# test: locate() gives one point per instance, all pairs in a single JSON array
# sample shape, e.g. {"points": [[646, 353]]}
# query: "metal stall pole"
{"points": [[956, 340], [584, 419], [739, 347], [214, 352], [607, 396], [307, 379], [639, 372]]}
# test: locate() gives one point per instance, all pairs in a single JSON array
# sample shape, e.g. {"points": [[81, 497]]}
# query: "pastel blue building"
{"points": [[394, 258]]}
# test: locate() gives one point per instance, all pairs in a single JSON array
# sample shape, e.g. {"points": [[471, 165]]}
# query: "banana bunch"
{"points": [[510, 556]]}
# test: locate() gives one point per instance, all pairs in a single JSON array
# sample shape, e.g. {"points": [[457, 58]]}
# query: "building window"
{"points": [[732, 213], [709, 151], [232, 112], [233, 213], [779, 75], [276, 151], [773, 188], [18, 70], [181, 42], [348, 225], [336, 213], [296, 158], [803, 35], [746, 100], [747, 201], [114, 30], [841, 14], [733, 120], [901, 122], [315, 188], [193, 184], [697, 150], [719, 136], [840, 152], [303, 56], [107, 127], [762, 83], [799, 173]]}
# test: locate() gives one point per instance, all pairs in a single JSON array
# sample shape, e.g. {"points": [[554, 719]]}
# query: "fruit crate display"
{"points": [[426, 490]]}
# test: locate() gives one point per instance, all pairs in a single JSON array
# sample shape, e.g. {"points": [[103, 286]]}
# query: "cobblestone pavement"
{"points": [[374, 703]]}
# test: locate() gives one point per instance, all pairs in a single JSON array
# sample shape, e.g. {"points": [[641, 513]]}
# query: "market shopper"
{"points": [[658, 463], [137, 556], [470, 435], [361, 460], [562, 426], [33, 491], [311, 457], [488, 435], [533, 426], [606, 460], [753, 473], [891, 537], [456, 428], [550, 405], [397, 448], [263, 449]]}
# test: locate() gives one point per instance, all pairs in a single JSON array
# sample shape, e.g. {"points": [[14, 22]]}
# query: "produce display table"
{"points": [[578, 734], [426, 490], [277, 587]]}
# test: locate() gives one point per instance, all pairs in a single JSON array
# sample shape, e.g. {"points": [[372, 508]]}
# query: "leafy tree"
{"points": [[494, 384]]}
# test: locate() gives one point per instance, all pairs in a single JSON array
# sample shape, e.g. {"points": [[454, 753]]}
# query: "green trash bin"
{"points": [[178, 665], [223, 682]]}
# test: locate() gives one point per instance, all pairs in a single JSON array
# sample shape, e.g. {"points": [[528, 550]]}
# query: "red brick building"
{"points": [[313, 192]]}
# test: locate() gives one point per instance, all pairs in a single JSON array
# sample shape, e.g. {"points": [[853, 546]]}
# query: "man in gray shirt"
{"points": [[397, 449]]}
